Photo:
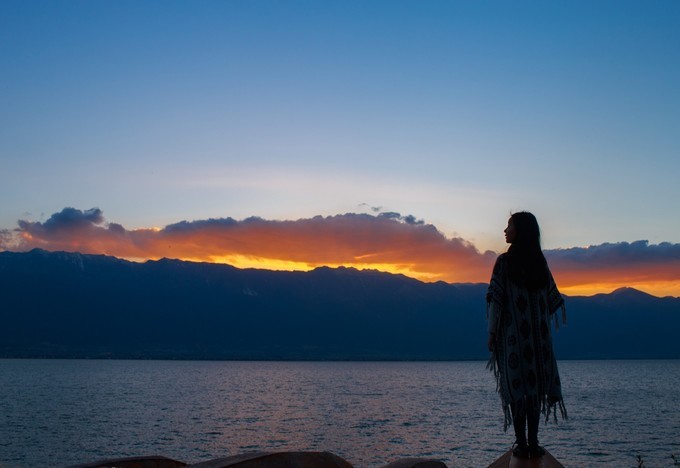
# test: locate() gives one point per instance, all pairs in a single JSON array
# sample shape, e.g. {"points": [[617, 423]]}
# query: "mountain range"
{"points": [[72, 305]]}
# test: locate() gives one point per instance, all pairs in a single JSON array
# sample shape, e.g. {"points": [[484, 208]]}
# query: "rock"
{"points": [[135, 462], [277, 460], [416, 463]]}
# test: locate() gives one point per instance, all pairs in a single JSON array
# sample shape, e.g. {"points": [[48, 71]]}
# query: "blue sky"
{"points": [[455, 112]]}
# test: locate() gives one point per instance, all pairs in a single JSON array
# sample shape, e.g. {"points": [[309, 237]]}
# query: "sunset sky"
{"points": [[390, 135]]}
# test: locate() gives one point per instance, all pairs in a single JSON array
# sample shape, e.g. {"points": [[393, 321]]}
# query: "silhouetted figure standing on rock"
{"points": [[522, 303]]}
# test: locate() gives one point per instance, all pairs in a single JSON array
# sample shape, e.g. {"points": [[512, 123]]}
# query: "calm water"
{"points": [[55, 413]]}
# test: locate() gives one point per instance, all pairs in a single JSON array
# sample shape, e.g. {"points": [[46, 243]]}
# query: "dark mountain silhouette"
{"points": [[62, 304]]}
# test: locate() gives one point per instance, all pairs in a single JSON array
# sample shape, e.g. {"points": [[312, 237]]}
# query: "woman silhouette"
{"points": [[522, 302]]}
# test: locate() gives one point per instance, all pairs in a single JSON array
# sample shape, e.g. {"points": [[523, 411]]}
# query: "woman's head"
{"points": [[523, 230], [527, 264]]}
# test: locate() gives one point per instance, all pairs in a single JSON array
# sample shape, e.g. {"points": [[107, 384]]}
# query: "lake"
{"points": [[61, 412]]}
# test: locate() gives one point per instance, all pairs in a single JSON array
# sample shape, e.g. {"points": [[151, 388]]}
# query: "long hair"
{"points": [[526, 263]]}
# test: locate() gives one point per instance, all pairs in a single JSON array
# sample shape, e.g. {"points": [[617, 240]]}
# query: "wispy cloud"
{"points": [[382, 240]]}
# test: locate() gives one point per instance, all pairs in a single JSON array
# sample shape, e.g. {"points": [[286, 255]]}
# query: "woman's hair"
{"points": [[526, 264]]}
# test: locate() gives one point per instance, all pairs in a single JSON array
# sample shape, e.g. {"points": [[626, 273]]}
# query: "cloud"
{"points": [[385, 241], [6, 238], [616, 254], [68, 219], [408, 219], [634, 262], [374, 209]]}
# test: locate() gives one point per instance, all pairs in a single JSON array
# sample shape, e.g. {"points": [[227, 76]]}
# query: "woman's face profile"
{"points": [[510, 233]]}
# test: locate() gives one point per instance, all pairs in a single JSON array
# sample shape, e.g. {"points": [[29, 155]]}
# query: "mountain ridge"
{"points": [[624, 290], [63, 304]]}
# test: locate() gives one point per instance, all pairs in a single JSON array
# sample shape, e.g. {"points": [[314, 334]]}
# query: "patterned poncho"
{"points": [[522, 359]]}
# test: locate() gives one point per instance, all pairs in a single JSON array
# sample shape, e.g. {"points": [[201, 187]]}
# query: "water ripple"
{"points": [[368, 413]]}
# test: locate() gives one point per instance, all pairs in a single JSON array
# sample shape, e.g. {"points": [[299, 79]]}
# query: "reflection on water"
{"points": [[61, 412]]}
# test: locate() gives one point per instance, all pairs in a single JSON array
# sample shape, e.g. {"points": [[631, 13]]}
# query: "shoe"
{"points": [[521, 451], [536, 451]]}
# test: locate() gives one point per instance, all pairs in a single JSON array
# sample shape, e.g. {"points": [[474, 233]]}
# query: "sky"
{"points": [[393, 135]]}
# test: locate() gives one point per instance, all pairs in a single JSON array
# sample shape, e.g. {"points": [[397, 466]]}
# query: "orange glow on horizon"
{"points": [[243, 261], [659, 289], [656, 288], [567, 287]]}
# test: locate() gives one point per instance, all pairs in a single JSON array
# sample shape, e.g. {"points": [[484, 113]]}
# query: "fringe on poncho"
{"points": [[523, 361]]}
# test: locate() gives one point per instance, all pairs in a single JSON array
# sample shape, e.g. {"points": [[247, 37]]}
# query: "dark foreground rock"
{"points": [[416, 463], [134, 462], [258, 460], [278, 459]]}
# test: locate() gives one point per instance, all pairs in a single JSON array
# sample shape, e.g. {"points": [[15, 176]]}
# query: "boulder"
{"points": [[153, 461], [416, 463], [277, 460]]}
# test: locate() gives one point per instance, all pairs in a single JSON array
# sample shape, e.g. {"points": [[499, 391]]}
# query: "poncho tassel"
{"points": [[556, 317], [548, 408]]}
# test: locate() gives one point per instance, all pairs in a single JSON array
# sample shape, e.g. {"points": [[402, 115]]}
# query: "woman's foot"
{"points": [[521, 451], [536, 451]]}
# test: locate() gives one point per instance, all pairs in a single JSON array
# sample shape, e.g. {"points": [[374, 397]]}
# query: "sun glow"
{"points": [[245, 261]]}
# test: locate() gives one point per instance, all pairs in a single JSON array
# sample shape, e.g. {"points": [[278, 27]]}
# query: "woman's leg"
{"points": [[533, 418], [519, 420]]}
